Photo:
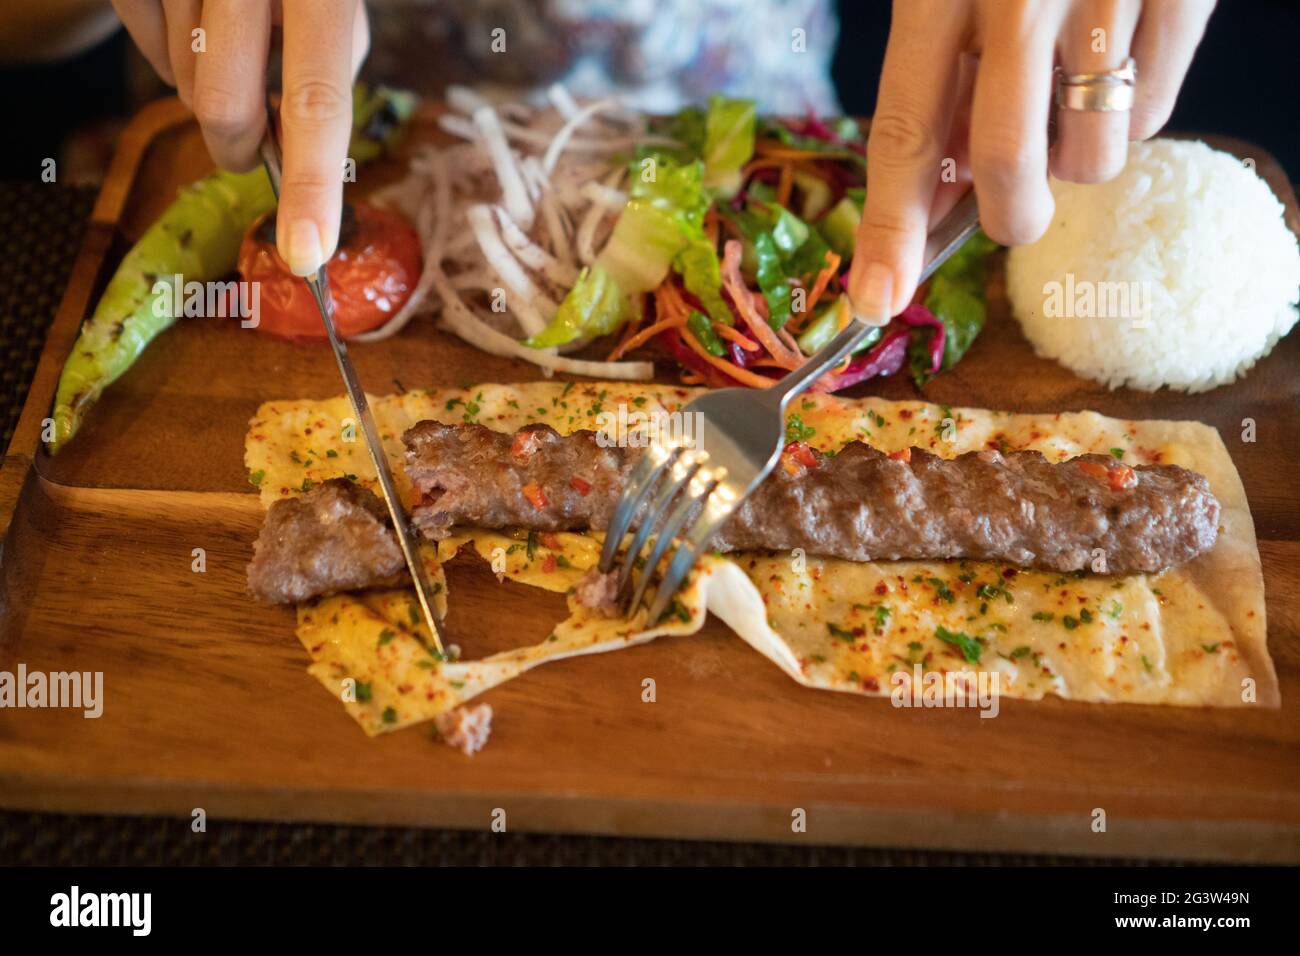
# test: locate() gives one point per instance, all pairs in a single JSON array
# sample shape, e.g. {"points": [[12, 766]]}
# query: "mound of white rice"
{"points": [[1179, 272]]}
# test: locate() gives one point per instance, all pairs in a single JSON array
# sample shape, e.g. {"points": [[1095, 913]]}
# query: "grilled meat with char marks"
{"points": [[859, 504]]}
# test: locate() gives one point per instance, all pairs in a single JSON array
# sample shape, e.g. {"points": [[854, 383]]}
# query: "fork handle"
{"points": [[948, 236]]}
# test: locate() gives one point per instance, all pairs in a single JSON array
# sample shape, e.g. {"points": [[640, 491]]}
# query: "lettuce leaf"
{"points": [[728, 145], [594, 306], [697, 264], [661, 226], [956, 298], [784, 248]]}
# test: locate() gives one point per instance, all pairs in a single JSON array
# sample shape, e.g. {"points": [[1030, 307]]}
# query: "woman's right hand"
{"points": [[215, 54]]}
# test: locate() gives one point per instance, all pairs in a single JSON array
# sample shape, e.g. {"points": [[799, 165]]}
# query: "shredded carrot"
{"points": [[748, 305], [672, 300], [711, 223], [742, 375], [645, 335], [691, 377], [823, 279], [735, 335], [670, 311], [785, 185], [814, 168], [755, 165], [784, 334], [797, 321], [774, 149], [622, 346]]}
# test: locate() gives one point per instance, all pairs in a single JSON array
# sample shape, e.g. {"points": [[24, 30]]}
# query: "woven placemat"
{"points": [[43, 229], [43, 839]]}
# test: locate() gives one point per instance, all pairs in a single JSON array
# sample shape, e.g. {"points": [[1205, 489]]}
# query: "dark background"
{"points": [[1242, 83]]}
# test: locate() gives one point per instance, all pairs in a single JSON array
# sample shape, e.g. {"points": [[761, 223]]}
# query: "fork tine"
{"points": [[643, 479], [680, 472], [711, 518], [701, 486]]}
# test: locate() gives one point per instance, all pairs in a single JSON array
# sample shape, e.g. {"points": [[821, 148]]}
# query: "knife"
{"points": [[318, 283]]}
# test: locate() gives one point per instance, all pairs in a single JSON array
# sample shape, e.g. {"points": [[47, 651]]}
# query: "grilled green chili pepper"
{"points": [[196, 240]]}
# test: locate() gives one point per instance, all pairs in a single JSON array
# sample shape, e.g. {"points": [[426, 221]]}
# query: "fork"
{"points": [[676, 483]]}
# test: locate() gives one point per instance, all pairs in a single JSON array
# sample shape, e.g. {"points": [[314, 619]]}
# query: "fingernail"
{"points": [[872, 296], [303, 253]]}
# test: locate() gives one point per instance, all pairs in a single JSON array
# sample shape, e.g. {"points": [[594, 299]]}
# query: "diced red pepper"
{"points": [[548, 563], [904, 455], [1118, 477], [536, 497], [1121, 477], [524, 445], [551, 540], [801, 453], [580, 486]]}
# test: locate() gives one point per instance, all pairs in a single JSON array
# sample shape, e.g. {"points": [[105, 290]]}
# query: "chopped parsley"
{"points": [[255, 479], [995, 591], [1118, 453], [843, 635], [796, 430], [363, 692], [386, 635], [390, 715], [1043, 615], [970, 647], [941, 589]]}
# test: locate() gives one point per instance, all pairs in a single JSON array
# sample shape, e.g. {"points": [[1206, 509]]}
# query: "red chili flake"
{"points": [[904, 455], [551, 540], [882, 588], [580, 486], [905, 414], [548, 563], [871, 684], [536, 497], [524, 445]]}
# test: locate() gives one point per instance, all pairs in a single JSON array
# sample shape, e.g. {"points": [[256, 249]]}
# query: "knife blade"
{"points": [[318, 283]]}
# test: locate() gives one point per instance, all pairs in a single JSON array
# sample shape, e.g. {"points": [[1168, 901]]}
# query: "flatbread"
{"points": [[1193, 636]]}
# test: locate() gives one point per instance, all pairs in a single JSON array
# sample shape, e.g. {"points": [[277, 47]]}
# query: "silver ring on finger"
{"points": [[1109, 91]]}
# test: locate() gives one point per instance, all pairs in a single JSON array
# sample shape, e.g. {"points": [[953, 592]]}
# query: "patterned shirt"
{"points": [[658, 54]]}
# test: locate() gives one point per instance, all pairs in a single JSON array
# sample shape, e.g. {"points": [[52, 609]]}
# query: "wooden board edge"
{"points": [[90, 263], [1231, 841], [148, 123]]}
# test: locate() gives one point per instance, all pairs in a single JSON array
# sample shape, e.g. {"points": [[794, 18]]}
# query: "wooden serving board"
{"points": [[208, 703]]}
